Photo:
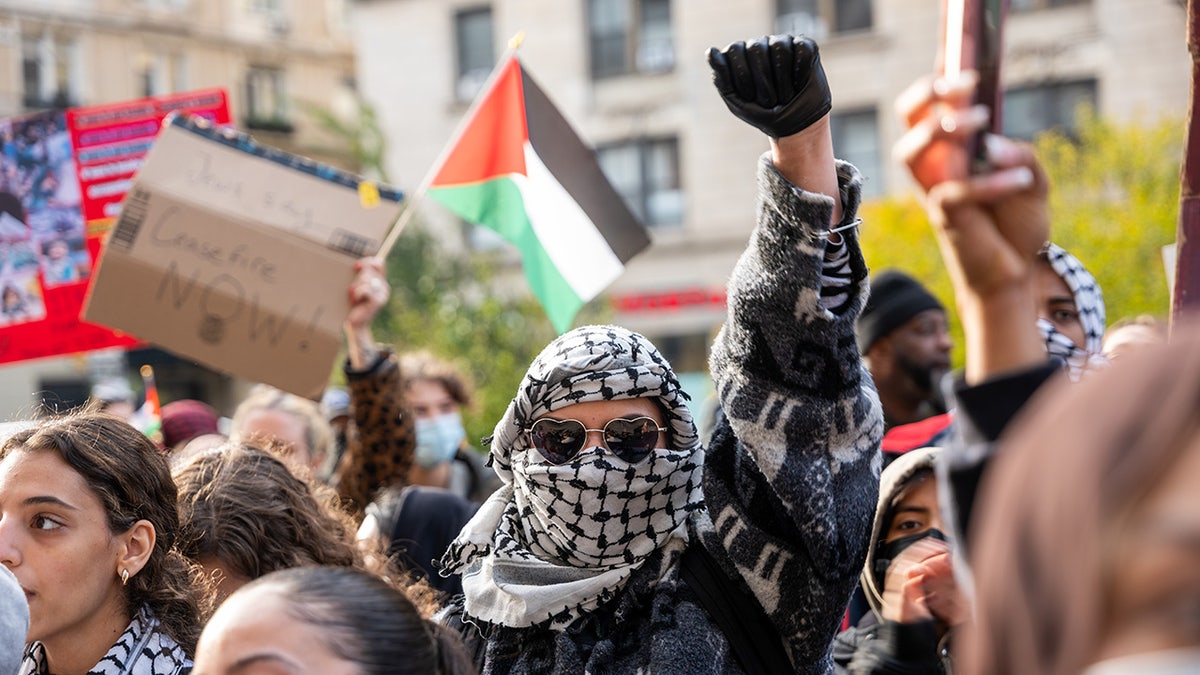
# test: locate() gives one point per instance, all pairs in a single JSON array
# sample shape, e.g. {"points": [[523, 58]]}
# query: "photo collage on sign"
{"points": [[41, 225]]}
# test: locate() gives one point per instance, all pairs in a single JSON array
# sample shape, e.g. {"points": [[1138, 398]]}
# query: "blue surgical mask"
{"points": [[438, 439]]}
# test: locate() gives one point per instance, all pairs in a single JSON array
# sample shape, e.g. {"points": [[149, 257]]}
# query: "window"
{"points": [[1029, 5], [161, 73], [266, 100], [818, 18], [646, 174], [51, 72], [630, 36], [273, 15], [473, 37], [1031, 110], [856, 140]]}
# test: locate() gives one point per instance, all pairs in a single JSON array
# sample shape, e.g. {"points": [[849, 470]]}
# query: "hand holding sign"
{"points": [[239, 256]]}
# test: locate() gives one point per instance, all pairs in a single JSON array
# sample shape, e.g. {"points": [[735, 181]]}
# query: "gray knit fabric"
{"points": [[791, 491], [790, 479], [14, 622]]}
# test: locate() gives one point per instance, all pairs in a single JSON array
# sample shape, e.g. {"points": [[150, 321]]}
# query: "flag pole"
{"points": [[410, 208], [1187, 235]]}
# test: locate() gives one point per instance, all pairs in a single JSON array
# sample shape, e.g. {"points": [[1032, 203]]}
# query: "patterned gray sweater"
{"points": [[791, 475]]}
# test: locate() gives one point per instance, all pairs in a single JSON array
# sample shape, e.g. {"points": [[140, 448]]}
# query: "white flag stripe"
{"points": [[580, 252]]}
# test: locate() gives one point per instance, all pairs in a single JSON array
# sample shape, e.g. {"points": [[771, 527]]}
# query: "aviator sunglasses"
{"points": [[559, 441]]}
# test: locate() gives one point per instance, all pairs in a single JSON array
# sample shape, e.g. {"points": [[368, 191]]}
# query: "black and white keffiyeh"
{"points": [[557, 541], [143, 649], [1089, 302]]}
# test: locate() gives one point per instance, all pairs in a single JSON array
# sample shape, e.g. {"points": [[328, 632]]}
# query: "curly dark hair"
{"points": [[131, 479], [241, 505]]}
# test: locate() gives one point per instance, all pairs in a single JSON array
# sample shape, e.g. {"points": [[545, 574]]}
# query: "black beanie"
{"points": [[895, 298]]}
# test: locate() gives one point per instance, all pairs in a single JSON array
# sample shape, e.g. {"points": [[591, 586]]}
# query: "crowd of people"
{"points": [[858, 508]]}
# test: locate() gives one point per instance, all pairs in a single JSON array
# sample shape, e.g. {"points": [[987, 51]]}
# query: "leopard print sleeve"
{"points": [[380, 443]]}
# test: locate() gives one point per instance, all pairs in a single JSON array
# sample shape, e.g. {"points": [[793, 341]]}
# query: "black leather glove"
{"points": [[775, 83]]}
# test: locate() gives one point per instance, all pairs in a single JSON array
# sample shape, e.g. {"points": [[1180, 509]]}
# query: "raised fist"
{"points": [[774, 83]]}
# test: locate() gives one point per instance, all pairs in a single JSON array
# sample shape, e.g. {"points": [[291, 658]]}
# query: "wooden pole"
{"points": [[1186, 297]]}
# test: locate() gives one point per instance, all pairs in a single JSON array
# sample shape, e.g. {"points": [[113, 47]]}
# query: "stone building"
{"points": [[273, 57], [632, 77]]}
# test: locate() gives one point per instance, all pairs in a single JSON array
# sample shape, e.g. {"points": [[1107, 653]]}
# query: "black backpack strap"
{"points": [[751, 635]]}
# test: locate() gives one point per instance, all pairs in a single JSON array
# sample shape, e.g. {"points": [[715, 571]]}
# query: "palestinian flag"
{"points": [[149, 417], [519, 169]]}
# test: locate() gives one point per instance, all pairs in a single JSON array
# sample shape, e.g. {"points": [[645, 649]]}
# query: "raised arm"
{"points": [[792, 473], [379, 446], [989, 228]]}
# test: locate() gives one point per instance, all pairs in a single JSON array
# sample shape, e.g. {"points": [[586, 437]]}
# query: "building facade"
{"points": [[275, 58], [631, 76]]}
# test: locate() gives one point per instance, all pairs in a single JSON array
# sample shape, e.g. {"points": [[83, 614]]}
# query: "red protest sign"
{"points": [[62, 178]]}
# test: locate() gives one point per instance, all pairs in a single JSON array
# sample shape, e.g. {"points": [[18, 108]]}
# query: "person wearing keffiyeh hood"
{"points": [[908, 579], [1070, 311], [578, 563]]}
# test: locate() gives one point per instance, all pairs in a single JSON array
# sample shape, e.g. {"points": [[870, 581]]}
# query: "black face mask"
{"points": [[886, 553]]}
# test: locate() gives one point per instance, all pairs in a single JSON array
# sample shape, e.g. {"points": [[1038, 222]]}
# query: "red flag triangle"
{"points": [[493, 143]]}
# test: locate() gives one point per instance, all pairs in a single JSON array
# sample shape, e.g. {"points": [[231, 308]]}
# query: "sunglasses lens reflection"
{"points": [[631, 440], [559, 441]]}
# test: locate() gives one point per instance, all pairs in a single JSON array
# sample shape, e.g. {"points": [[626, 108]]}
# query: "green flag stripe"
{"points": [[497, 204]]}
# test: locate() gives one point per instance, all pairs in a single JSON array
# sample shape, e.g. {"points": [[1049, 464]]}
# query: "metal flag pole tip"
{"points": [[516, 40]]}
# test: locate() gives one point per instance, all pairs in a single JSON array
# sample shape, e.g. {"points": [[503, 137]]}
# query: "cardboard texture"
{"points": [[237, 260]]}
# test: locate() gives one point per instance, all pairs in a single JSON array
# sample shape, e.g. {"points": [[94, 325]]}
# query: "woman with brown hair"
{"points": [[244, 514], [88, 525]]}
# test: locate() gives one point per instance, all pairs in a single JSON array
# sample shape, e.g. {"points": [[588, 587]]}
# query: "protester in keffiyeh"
{"points": [[574, 564], [90, 535], [1077, 520], [540, 531], [1071, 322]]}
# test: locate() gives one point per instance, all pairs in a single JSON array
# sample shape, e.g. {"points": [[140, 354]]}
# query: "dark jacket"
{"points": [[790, 476], [419, 523]]}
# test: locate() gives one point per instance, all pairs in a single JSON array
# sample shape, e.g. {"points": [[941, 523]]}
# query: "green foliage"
{"points": [[896, 234], [1114, 203], [450, 306], [362, 135]]}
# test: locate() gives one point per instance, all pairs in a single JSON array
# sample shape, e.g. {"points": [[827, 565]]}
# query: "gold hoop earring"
{"points": [[124, 576]]}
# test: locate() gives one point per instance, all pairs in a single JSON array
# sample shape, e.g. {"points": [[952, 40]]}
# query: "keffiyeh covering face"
{"points": [[1089, 302], [556, 541]]}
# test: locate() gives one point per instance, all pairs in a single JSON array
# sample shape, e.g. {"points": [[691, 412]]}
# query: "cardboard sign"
{"points": [[239, 256], [62, 178]]}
